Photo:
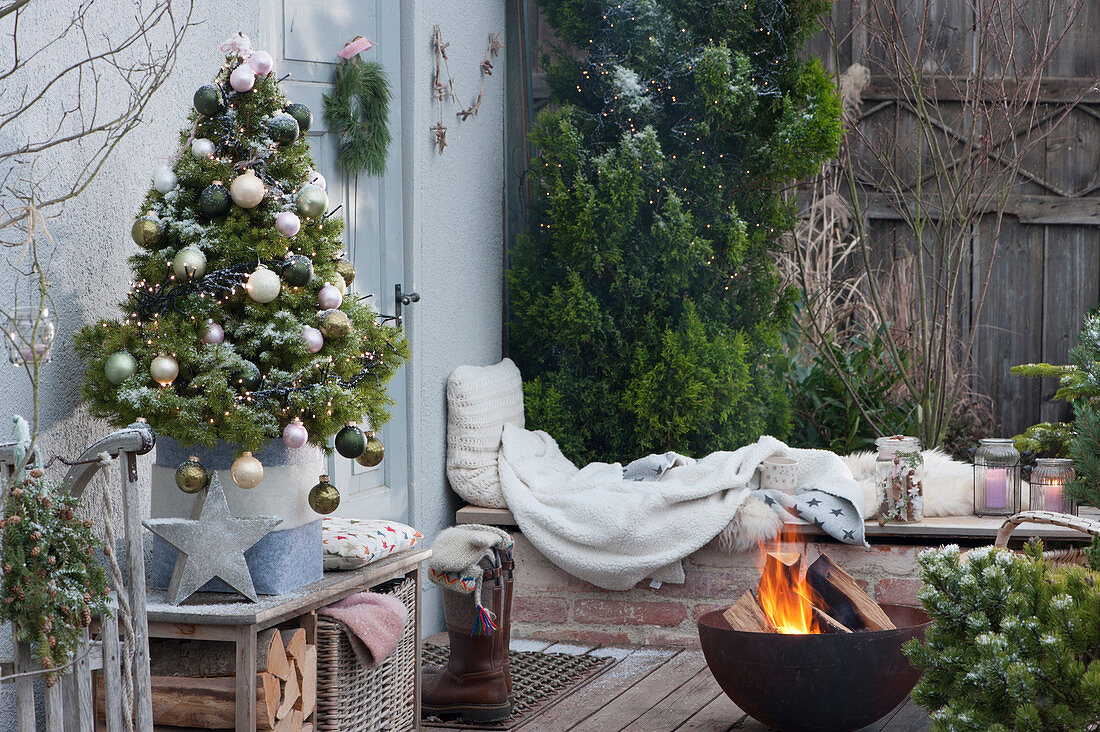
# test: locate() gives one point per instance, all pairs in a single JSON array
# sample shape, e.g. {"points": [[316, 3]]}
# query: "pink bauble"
{"points": [[242, 79], [288, 223], [329, 298], [317, 179], [295, 435], [261, 62], [313, 338], [214, 334]]}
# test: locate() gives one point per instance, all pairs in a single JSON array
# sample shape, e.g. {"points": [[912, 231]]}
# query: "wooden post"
{"points": [[112, 670], [81, 681], [24, 686], [135, 570], [246, 678], [55, 704]]}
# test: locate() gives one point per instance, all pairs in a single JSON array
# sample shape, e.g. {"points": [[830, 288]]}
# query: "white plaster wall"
{"points": [[454, 238]]}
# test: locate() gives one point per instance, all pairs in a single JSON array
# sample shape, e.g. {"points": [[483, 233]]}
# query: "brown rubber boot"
{"points": [[473, 685], [508, 567]]}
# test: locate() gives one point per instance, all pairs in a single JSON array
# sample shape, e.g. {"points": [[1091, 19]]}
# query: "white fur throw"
{"points": [[948, 484], [480, 401]]}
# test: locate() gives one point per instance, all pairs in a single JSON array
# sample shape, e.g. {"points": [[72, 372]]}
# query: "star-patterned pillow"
{"points": [[350, 543]]}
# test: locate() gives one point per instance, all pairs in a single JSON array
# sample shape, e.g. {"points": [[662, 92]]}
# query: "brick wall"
{"points": [[552, 605]]}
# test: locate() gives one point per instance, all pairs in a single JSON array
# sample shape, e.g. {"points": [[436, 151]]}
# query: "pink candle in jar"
{"points": [[996, 488], [1054, 495]]}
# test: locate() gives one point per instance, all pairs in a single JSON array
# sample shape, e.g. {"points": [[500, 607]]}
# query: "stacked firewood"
{"points": [[829, 596], [194, 684]]}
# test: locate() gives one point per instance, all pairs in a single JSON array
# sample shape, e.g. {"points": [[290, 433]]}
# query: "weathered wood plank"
{"points": [[644, 694], [699, 691], [246, 679], [135, 569], [720, 715], [112, 671], [953, 88], [604, 690], [24, 686]]}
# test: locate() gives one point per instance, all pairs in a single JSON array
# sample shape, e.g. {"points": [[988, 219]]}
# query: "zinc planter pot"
{"points": [[288, 557]]}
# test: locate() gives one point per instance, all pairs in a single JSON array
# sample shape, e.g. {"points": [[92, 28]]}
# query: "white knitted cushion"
{"points": [[480, 400]]}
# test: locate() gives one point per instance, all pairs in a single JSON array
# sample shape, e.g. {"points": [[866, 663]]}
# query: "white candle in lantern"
{"points": [[996, 488], [1054, 495]]}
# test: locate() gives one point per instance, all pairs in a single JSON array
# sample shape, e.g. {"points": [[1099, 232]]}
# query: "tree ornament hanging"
{"points": [[164, 369], [334, 324], [357, 111], [202, 148], [312, 200], [340, 285], [315, 178], [323, 497], [242, 79], [247, 190], [295, 434], [287, 223], [145, 232], [350, 441], [314, 338], [246, 471], [346, 270], [247, 376], [164, 179], [189, 263], [215, 200], [208, 100], [261, 63], [214, 334], [329, 297], [263, 285], [119, 366], [373, 452], [297, 270], [192, 476], [302, 114], [283, 128]]}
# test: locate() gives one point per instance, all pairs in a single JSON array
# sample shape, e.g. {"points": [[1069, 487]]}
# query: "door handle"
{"points": [[402, 299]]}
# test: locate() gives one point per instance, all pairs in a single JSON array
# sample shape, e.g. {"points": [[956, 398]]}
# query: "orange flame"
{"points": [[785, 596]]}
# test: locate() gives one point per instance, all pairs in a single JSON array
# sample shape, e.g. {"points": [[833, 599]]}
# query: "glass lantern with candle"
{"points": [[996, 478], [30, 333], [1049, 479], [899, 475]]}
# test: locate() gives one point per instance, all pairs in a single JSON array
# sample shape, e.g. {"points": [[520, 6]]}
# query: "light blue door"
{"points": [[309, 33]]}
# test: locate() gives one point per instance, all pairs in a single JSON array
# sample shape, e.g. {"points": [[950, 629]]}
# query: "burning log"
{"points": [[747, 615], [839, 595], [827, 623]]}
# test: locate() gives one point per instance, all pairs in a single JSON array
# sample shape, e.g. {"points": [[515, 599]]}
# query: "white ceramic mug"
{"points": [[778, 473]]}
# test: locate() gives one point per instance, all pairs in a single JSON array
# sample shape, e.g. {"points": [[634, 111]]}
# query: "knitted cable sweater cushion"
{"points": [[480, 401]]}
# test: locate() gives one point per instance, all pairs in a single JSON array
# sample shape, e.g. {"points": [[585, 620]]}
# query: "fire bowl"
{"points": [[837, 682]]}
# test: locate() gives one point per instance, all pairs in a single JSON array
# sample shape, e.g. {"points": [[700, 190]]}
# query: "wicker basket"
{"points": [[1056, 557], [352, 698]]}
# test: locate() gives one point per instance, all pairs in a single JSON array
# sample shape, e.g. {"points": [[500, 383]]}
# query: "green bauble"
{"points": [[346, 271], [145, 232], [334, 324], [208, 100], [215, 200], [301, 114], [373, 453], [312, 200], [283, 129], [247, 377], [350, 441], [297, 270], [119, 367], [323, 497], [191, 476]]}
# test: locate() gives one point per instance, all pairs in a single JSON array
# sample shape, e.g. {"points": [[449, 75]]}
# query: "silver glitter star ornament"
{"points": [[211, 544]]}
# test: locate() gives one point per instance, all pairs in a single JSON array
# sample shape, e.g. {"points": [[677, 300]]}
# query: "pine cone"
{"points": [[52, 641], [16, 492], [36, 536], [53, 593], [9, 600], [87, 598], [69, 513], [106, 591], [87, 523], [108, 550], [47, 662], [19, 594], [86, 616], [47, 625], [14, 519], [42, 573], [44, 500], [36, 472], [51, 560], [7, 569], [35, 551], [3, 523]]}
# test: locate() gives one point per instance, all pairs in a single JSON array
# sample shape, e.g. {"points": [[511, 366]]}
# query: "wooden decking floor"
{"points": [[659, 690]]}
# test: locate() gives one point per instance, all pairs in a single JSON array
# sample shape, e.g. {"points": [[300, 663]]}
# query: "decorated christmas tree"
{"points": [[646, 306], [1014, 645], [239, 325], [240, 329]]}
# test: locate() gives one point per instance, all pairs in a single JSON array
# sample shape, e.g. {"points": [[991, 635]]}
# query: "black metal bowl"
{"points": [[837, 682]]}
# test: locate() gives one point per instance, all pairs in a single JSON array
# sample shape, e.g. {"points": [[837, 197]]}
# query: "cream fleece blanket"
{"points": [[614, 532]]}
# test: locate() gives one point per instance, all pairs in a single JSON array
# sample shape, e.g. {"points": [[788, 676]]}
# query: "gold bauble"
{"points": [[191, 476], [373, 454], [334, 324], [246, 471], [164, 369], [323, 497], [346, 270], [145, 232]]}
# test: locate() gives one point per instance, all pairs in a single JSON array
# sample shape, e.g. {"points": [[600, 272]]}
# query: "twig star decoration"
{"points": [[211, 544], [444, 89]]}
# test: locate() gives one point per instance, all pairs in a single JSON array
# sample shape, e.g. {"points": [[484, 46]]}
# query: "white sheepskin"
{"points": [[948, 483], [755, 522]]}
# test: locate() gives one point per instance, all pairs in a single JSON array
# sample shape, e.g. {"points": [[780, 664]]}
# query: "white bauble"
{"points": [[317, 179], [164, 369], [261, 63], [287, 223], [202, 148], [188, 263], [247, 190], [242, 79], [263, 285], [164, 179]]}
